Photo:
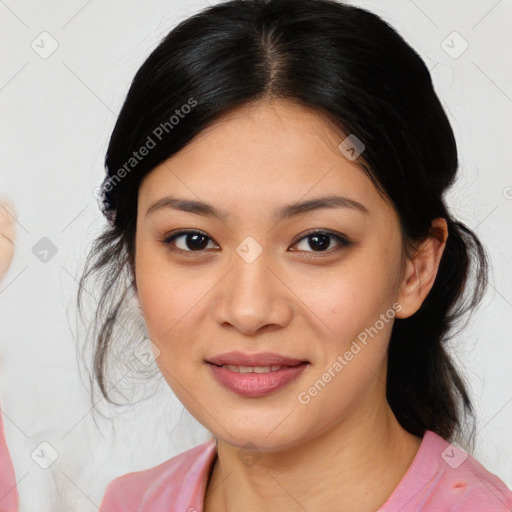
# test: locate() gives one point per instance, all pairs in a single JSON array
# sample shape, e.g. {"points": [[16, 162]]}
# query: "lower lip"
{"points": [[256, 384]]}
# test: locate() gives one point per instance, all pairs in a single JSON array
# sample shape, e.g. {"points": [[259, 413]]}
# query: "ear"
{"points": [[421, 271]]}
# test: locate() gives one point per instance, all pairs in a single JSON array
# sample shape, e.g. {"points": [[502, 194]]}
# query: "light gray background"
{"points": [[57, 114]]}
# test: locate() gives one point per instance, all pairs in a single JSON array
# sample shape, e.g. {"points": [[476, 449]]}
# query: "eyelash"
{"points": [[343, 242]]}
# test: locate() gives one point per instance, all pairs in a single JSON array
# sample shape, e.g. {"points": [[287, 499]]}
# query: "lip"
{"points": [[255, 359], [255, 384]]}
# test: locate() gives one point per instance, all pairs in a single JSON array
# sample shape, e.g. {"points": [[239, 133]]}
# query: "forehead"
{"points": [[273, 151], [278, 126]]}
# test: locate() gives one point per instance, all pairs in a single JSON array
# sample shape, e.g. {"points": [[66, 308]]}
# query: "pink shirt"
{"points": [[441, 478], [8, 491]]}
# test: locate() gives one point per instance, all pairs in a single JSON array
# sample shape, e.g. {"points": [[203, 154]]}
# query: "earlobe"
{"points": [[421, 271]]}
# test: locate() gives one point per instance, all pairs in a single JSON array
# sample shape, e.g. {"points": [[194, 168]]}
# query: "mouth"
{"points": [[253, 369], [255, 360], [254, 375]]}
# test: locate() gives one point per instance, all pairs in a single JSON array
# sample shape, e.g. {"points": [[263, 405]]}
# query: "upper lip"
{"points": [[255, 359]]}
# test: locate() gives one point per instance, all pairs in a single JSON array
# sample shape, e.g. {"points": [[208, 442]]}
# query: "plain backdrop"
{"points": [[66, 67]]}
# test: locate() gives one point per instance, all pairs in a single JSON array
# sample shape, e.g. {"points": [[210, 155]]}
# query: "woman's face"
{"points": [[256, 281]]}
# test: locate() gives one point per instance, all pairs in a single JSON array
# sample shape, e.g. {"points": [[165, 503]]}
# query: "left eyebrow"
{"points": [[332, 201], [285, 212]]}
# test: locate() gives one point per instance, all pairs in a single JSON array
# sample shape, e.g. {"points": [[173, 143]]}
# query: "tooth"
{"points": [[252, 369], [262, 369]]}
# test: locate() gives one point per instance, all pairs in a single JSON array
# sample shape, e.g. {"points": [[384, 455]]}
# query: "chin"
{"points": [[259, 437]]}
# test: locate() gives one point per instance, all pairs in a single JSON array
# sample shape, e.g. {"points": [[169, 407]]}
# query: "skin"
{"points": [[294, 299]]}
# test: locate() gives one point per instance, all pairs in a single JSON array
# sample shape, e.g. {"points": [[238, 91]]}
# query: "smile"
{"points": [[253, 369], [256, 381]]}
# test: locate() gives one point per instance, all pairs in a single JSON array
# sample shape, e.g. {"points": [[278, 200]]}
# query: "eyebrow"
{"points": [[285, 212]]}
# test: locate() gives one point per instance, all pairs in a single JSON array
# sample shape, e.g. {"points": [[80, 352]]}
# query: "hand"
{"points": [[7, 235]]}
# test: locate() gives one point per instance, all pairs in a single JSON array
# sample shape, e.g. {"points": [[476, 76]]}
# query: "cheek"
{"points": [[158, 289], [356, 304], [171, 297], [352, 296]]}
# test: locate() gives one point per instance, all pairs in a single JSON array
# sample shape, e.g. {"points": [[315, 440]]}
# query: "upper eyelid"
{"points": [[342, 239]]}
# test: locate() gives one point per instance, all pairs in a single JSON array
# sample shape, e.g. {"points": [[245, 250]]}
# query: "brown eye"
{"points": [[188, 241], [322, 241]]}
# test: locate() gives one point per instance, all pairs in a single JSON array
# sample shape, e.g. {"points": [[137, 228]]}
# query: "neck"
{"points": [[333, 471]]}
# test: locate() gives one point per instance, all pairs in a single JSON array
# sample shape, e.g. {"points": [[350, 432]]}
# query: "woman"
{"points": [[274, 188]]}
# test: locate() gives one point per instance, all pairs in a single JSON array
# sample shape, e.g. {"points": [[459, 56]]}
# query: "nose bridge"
{"points": [[250, 284], [250, 272], [251, 296]]}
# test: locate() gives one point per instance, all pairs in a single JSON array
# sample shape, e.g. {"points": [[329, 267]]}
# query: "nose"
{"points": [[252, 298]]}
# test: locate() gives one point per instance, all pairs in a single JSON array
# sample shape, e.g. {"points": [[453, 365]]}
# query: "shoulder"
{"points": [[476, 488], [458, 481], [181, 479]]}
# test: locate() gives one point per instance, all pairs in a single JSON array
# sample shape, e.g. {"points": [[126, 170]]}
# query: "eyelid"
{"points": [[169, 238], [343, 240]]}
